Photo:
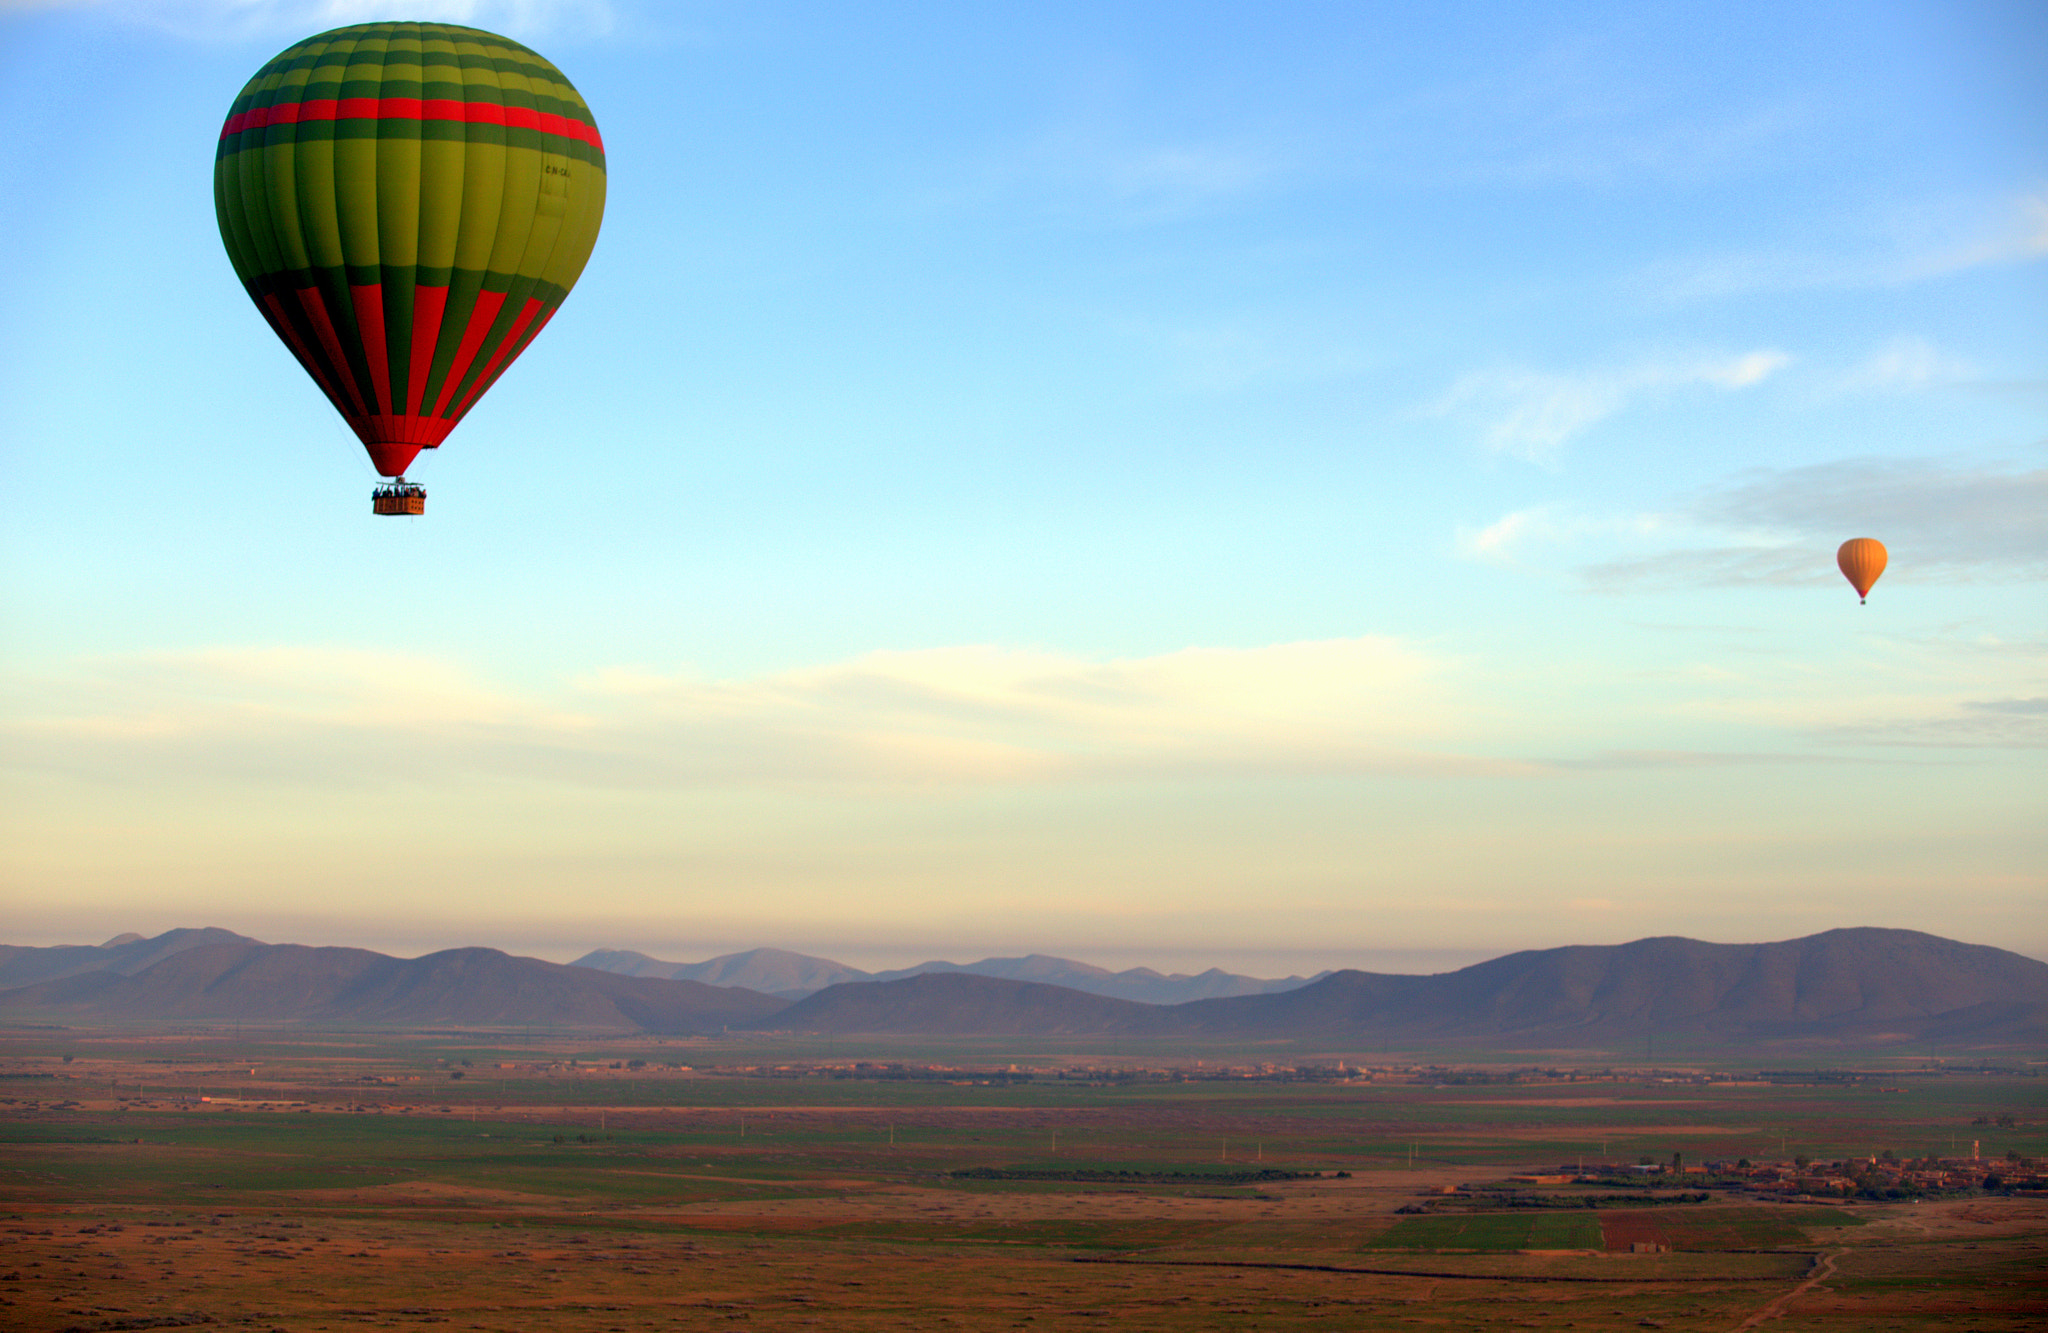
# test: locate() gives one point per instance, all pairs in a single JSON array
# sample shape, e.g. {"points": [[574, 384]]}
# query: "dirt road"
{"points": [[1821, 1272]]}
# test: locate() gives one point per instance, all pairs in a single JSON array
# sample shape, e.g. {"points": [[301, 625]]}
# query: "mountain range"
{"points": [[1868, 987], [793, 976], [124, 954], [218, 976]]}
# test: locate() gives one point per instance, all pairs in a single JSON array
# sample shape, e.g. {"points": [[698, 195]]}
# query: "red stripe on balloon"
{"points": [[369, 303], [481, 317], [390, 457], [428, 303], [330, 342], [412, 108], [511, 340], [517, 351], [423, 432], [279, 321]]}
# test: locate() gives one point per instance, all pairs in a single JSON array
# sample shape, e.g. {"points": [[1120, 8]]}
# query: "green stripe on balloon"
{"points": [[455, 317], [408, 128], [329, 62], [397, 274]]}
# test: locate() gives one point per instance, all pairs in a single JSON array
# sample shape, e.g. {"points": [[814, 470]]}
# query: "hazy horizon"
{"points": [[1269, 487], [1267, 964]]}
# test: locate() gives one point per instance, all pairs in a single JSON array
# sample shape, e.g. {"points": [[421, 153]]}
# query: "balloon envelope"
{"points": [[1861, 560], [408, 204]]}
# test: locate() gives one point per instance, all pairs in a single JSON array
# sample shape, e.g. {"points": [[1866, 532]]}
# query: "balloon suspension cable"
{"points": [[398, 496]]}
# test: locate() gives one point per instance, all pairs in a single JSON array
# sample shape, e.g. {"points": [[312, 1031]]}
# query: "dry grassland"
{"points": [[314, 1201]]}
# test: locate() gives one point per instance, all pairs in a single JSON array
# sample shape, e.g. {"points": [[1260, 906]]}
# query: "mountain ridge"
{"points": [[795, 976], [127, 953], [247, 981], [1865, 985]]}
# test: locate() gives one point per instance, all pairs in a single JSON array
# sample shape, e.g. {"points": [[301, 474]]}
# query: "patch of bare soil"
{"points": [[1625, 1231]]}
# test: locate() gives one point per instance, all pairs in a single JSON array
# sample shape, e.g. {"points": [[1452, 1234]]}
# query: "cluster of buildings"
{"points": [[1878, 1177], [1893, 1178]]}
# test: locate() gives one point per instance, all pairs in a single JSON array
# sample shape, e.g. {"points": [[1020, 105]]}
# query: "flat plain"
{"points": [[506, 1181]]}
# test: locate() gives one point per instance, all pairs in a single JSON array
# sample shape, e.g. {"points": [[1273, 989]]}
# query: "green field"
{"points": [[343, 1180], [1494, 1232]]}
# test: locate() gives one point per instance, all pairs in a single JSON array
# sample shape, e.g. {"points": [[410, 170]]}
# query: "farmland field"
{"points": [[1495, 1231], [340, 1180]]}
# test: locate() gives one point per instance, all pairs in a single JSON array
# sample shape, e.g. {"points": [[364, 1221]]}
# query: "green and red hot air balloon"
{"points": [[408, 204]]}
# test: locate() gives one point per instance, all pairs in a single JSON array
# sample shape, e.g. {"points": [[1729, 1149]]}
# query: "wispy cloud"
{"points": [[1932, 242], [1225, 354], [1556, 117], [1590, 142], [1089, 175], [1905, 364], [1501, 541], [1557, 114], [1532, 414], [1497, 540], [1943, 521], [1923, 723], [953, 716], [1635, 760]]}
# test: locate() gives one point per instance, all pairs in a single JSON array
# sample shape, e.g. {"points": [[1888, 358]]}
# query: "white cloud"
{"points": [[1226, 355], [1943, 521], [1540, 412], [971, 715], [1905, 363], [1740, 373], [1502, 541], [1533, 413], [1496, 541], [1556, 113], [2005, 723], [1930, 241], [2021, 236], [1090, 175]]}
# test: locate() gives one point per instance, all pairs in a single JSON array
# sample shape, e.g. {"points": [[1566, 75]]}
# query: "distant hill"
{"points": [[770, 971], [1862, 985], [1867, 986], [1140, 984], [243, 981], [961, 1004], [795, 975], [126, 954]]}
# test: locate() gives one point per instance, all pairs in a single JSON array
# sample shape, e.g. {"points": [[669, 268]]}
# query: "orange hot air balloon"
{"points": [[1862, 560]]}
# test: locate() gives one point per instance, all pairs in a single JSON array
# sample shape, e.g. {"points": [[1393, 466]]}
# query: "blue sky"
{"points": [[1279, 486]]}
